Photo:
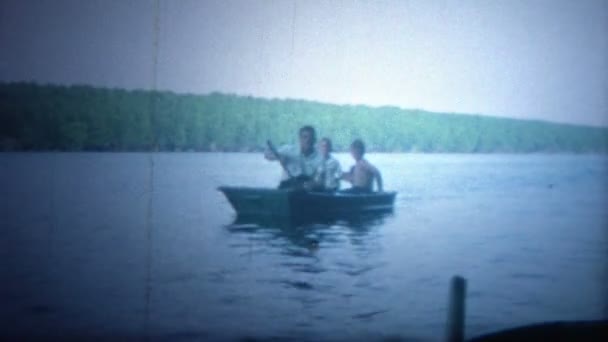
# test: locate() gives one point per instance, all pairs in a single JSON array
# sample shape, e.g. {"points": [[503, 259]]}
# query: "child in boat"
{"points": [[328, 174], [363, 173]]}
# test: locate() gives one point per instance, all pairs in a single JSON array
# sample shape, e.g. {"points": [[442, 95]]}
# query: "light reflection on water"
{"points": [[528, 232]]}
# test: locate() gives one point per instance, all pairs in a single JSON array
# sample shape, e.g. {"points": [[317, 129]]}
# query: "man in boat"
{"points": [[328, 175], [299, 164], [363, 173]]}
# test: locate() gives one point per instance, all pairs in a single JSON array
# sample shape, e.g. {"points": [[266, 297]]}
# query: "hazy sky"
{"points": [[527, 59]]}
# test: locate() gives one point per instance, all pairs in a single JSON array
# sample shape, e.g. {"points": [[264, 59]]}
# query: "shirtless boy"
{"points": [[363, 173]]}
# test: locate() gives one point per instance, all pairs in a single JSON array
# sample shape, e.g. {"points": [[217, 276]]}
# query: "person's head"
{"points": [[308, 137], [325, 147], [357, 149]]}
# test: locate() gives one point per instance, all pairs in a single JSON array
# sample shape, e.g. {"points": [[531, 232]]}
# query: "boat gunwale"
{"points": [[337, 194]]}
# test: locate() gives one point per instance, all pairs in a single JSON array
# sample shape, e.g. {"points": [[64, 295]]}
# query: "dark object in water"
{"points": [[313, 245], [300, 204], [456, 309], [555, 331]]}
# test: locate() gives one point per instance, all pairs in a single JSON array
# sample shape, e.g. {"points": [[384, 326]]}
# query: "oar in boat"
{"points": [[292, 181]]}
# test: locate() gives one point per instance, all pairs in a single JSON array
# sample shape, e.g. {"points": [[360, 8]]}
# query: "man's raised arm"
{"points": [[273, 154], [269, 155]]}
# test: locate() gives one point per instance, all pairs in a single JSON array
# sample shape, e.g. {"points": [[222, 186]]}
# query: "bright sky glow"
{"points": [[525, 59]]}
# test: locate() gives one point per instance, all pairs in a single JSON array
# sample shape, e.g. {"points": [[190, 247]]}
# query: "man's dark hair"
{"points": [[358, 145], [310, 130], [329, 144]]}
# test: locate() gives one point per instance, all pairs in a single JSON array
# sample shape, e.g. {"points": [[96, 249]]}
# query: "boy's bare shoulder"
{"points": [[365, 164]]}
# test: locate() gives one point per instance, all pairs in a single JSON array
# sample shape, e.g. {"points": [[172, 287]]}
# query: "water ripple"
{"points": [[368, 315]]}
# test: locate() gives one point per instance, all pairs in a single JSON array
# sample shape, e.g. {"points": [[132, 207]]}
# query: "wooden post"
{"points": [[456, 310]]}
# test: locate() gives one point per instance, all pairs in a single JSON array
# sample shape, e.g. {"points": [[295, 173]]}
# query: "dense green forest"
{"points": [[50, 117]]}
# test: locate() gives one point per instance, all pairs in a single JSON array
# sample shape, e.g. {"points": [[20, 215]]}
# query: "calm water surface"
{"points": [[133, 244]]}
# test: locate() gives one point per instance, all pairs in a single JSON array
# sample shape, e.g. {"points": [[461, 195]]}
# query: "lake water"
{"points": [[134, 244]]}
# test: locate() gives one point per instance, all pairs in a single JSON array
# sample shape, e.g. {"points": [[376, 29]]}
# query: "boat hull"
{"points": [[294, 204]]}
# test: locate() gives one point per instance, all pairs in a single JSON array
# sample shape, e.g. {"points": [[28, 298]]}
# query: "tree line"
{"points": [[85, 118]]}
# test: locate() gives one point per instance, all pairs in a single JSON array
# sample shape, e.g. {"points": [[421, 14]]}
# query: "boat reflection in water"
{"points": [[308, 232]]}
